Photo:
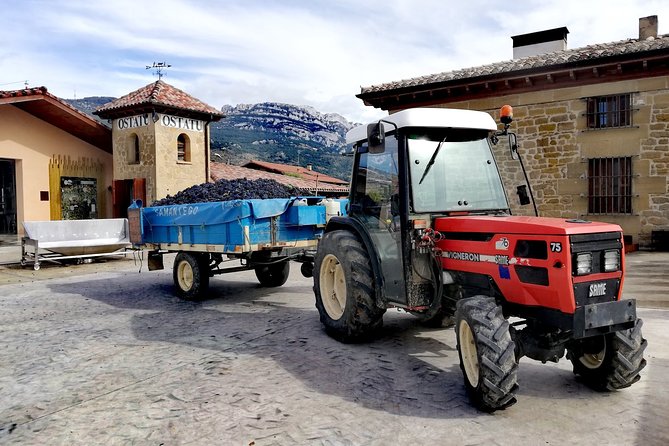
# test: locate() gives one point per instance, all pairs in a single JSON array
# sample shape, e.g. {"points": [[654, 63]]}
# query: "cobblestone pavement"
{"points": [[113, 357]]}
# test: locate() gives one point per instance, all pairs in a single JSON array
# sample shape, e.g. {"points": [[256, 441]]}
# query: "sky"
{"points": [[312, 53]]}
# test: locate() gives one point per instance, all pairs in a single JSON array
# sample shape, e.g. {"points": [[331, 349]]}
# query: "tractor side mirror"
{"points": [[523, 195], [376, 138]]}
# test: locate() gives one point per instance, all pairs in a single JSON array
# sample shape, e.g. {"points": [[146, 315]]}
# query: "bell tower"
{"points": [[160, 140]]}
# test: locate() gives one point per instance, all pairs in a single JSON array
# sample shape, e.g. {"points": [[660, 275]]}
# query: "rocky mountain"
{"points": [[271, 131], [282, 133], [89, 104]]}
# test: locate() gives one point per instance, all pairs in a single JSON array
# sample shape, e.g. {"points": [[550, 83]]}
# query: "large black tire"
{"points": [[344, 288], [191, 275], [486, 351], [612, 361], [274, 274]]}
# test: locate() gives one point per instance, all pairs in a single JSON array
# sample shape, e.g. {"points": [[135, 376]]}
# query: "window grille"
{"points": [[610, 185], [609, 111]]}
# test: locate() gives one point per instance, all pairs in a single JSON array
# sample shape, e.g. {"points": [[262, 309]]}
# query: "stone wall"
{"points": [[158, 164], [555, 145], [173, 175]]}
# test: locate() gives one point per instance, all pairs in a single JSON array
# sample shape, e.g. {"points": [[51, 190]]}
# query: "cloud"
{"points": [[315, 53]]}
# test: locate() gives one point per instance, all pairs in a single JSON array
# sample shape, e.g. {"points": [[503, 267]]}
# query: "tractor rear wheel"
{"points": [[191, 275], [274, 274], [612, 361], [486, 351], [344, 287]]}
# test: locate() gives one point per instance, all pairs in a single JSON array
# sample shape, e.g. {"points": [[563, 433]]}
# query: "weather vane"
{"points": [[159, 66]]}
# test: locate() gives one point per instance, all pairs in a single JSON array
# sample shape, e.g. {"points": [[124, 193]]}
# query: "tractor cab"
{"points": [[409, 168]]}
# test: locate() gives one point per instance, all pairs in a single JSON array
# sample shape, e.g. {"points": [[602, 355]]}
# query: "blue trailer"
{"points": [[262, 235]]}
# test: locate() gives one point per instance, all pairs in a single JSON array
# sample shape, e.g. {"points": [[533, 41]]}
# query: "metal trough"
{"points": [[73, 239]]}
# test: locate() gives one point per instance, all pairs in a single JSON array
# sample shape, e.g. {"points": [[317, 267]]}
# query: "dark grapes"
{"points": [[226, 190]]}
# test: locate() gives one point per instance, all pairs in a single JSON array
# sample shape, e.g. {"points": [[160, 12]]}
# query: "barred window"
{"points": [[609, 111], [610, 185]]}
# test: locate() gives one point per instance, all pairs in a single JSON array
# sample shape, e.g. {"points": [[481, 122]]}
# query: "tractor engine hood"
{"points": [[521, 225]]}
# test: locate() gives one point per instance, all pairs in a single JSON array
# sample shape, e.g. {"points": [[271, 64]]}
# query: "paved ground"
{"points": [[104, 354]]}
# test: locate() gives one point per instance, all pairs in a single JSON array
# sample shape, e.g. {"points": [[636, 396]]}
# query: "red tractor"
{"points": [[429, 230]]}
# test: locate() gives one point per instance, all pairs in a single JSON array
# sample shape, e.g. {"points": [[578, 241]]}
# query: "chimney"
{"points": [[647, 27], [310, 167], [540, 42]]}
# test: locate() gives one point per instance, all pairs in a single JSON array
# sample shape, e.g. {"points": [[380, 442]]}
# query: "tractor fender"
{"points": [[357, 228]]}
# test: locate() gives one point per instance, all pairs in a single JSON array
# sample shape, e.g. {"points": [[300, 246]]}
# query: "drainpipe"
{"points": [[206, 151]]}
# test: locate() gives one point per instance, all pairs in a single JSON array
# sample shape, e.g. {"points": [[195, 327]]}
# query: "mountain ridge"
{"points": [[270, 131]]}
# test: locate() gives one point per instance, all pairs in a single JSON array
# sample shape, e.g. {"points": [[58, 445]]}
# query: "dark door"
{"points": [[124, 192], [7, 197]]}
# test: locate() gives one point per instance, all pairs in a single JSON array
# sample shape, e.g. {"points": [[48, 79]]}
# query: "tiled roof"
{"points": [[158, 93], [579, 56], [24, 92], [38, 102], [41, 91], [286, 169], [221, 171]]}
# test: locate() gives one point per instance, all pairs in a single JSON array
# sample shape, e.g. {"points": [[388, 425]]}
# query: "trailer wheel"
{"points": [[486, 351], [274, 274], [191, 275], [344, 288], [612, 361]]}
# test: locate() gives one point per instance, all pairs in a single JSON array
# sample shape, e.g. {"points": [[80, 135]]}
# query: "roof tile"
{"points": [[587, 53], [220, 171], [162, 94]]}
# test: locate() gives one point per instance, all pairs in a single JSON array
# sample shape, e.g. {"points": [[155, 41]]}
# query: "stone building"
{"points": [[592, 123], [160, 140]]}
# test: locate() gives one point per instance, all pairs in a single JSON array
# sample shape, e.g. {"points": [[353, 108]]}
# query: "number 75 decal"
{"points": [[556, 247]]}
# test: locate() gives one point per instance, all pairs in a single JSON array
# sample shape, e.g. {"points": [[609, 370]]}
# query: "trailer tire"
{"points": [[274, 274], [344, 288], [616, 365], [487, 353], [191, 275]]}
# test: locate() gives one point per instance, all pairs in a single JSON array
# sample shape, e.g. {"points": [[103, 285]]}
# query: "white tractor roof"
{"points": [[429, 117]]}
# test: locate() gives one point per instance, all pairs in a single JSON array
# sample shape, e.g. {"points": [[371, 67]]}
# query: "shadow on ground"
{"points": [[406, 369]]}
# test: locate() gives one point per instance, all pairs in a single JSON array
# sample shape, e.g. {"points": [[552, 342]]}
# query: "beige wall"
{"points": [[556, 146], [32, 143]]}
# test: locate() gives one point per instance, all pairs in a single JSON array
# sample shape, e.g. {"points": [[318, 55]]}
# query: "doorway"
{"points": [[124, 193], [7, 197]]}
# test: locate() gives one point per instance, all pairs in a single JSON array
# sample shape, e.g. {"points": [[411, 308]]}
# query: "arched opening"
{"points": [[133, 150], [183, 148]]}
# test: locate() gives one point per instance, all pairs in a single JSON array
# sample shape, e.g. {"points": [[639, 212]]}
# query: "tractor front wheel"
{"points": [[612, 361], [344, 287], [486, 351]]}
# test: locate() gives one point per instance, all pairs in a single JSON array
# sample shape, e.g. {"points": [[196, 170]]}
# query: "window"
{"points": [[609, 111], [134, 152], [610, 185], [183, 148]]}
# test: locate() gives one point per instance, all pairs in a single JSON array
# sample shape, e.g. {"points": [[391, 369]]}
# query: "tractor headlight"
{"points": [[611, 260], [583, 263]]}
